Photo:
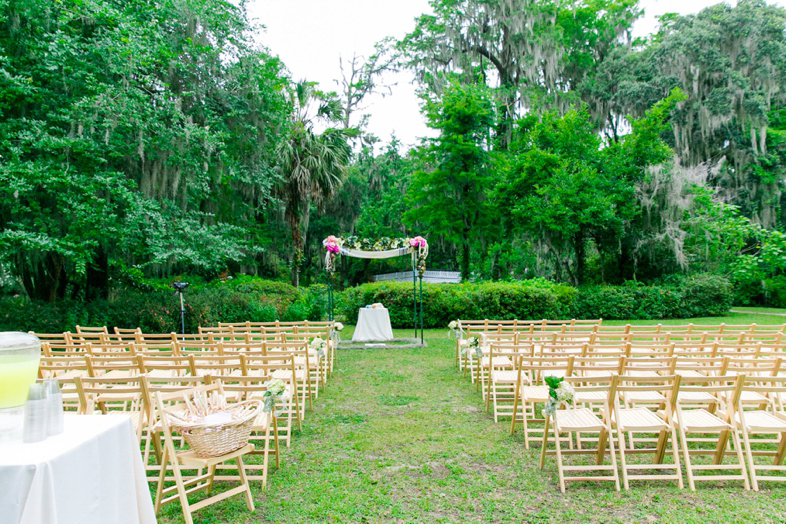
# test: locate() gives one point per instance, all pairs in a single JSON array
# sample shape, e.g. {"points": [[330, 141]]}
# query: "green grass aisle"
{"points": [[399, 435]]}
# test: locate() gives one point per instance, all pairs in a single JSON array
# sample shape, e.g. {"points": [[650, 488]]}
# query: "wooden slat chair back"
{"points": [[157, 367], [155, 338], [179, 460], [698, 420], [307, 382], [114, 396], [531, 391], [195, 347], [110, 349], [53, 338], [50, 349], [265, 367], [163, 349], [635, 417], [91, 329], [127, 334], [497, 375], [112, 365], [649, 337], [636, 349], [578, 420], [65, 369], [216, 365]]}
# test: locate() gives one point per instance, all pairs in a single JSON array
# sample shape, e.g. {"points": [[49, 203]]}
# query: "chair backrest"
{"points": [[107, 394], [99, 365], [725, 390], [596, 366], [215, 365], [86, 329], [645, 365], [175, 366], [163, 349], [54, 338], [184, 348]]}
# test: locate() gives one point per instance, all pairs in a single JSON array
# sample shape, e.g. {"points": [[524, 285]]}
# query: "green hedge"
{"points": [[159, 311], [697, 296], [258, 300]]}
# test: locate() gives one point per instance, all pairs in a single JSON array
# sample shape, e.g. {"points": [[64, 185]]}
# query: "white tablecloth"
{"points": [[90, 473], [373, 325]]}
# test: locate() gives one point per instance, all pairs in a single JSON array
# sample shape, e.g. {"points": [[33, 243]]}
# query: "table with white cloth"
{"points": [[373, 325], [90, 473]]}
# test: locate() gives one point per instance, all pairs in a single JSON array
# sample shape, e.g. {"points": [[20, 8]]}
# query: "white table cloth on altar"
{"points": [[373, 325], [90, 473]]}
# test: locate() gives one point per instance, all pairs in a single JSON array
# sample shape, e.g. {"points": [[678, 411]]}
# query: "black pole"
{"points": [[421, 310], [414, 297], [182, 315], [330, 296]]}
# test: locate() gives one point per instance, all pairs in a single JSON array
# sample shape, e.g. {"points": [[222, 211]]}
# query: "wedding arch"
{"points": [[384, 247]]}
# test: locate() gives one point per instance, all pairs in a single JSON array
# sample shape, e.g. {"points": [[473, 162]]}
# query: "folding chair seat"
{"points": [[576, 420]]}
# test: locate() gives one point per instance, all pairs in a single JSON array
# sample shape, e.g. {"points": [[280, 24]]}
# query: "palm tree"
{"points": [[313, 165]]}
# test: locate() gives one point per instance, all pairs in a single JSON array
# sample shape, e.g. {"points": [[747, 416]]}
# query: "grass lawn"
{"points": [[399, 435]]}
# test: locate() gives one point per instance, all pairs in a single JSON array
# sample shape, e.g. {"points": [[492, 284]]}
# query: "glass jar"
{"points": [[20, 354]]}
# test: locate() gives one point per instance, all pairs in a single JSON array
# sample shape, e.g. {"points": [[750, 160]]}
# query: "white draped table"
{"points": [[90, 473], [373, 325]]}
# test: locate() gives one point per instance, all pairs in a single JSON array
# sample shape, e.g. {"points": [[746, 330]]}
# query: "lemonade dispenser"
{"points": [[19, 356]]}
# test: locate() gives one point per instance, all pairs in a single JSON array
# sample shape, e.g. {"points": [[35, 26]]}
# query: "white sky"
{"points": [[310, 35]]}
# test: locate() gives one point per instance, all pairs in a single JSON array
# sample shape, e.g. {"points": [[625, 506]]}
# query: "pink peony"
{"points": [[417, 241], [331, 244]]}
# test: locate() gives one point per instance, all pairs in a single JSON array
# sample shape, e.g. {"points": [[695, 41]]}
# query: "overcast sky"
{"points": [[310, 35]]}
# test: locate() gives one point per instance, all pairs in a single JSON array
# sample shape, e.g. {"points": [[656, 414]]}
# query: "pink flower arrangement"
{"points": [[331, 244], [417, 242]]}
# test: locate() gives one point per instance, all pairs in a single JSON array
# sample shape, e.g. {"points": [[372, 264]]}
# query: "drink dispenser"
{"points": [[19, 357]]}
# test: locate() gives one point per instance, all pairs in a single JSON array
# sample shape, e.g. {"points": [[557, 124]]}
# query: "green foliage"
{"points": [[699, 295], [159, 311]]}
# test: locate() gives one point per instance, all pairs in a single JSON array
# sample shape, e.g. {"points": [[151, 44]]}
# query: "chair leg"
{"points": [[738, 448], [559, 460], [613, 460], [675, 453], [211, 470], [686, 457], [623, 461], [241, 470], [545, 442], [161, 478]]}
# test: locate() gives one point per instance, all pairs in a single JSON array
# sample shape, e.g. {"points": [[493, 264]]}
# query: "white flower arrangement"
{"points": [[560, 392], [453, 324], [338, 326], [318, 345], [276, 391]]}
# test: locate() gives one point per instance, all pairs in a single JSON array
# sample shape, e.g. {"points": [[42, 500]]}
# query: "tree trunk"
{"points": [[465, 260], [579, 248], [98, 276]]}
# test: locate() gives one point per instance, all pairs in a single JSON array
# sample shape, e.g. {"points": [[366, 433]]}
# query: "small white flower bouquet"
{"points": [[338, 326], [318, 345], [455, 329], [560, 392], [276, 391]]}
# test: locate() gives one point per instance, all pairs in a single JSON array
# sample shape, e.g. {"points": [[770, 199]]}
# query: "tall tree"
{"points": [[312, 164], [450, 198]]}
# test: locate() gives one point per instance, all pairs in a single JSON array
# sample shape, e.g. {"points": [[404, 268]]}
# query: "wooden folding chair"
{"points": [[531, 391], [501, 383], [582, 420], [725, 391], [179, 460], [661, 391], [764, 421]]}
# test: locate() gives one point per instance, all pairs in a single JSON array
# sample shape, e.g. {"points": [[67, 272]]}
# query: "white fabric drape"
{"points": [[92, 472], [373, 325], [356, 253]]}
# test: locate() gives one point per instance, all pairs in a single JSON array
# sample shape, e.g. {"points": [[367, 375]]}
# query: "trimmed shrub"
{"points": [[257, 300], [706, 295]]}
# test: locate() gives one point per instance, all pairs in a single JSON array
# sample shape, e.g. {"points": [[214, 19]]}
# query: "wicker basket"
{"points": [[214, 440]]}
